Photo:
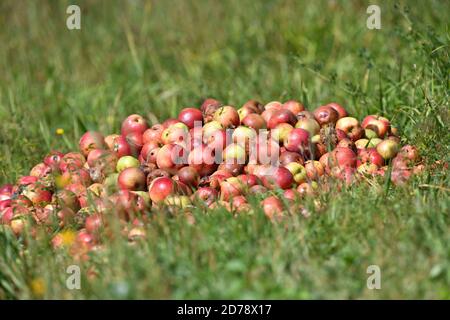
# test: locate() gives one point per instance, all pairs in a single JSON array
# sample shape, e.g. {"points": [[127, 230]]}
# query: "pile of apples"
{"points": [[213, 156]]}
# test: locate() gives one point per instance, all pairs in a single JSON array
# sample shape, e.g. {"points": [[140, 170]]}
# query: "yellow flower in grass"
{"points": [[60, 131], [37, 286]]}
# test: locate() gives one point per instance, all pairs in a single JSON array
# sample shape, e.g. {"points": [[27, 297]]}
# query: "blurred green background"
{"points": [[156, 57]]}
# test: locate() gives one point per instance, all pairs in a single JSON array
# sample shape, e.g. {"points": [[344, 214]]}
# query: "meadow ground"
{"points": [[157, 57]]}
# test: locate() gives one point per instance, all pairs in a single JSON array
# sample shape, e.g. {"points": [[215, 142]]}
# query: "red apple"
{"points": [[255, 121], [153, 134], [207, 195], [351, 127], [370, 156], [227, 116], [339, 109], [132, 179], [280, 177], [171, 157], [294, 106], [191, 116], [273, 105], [378, 124], [272, 207], [343, 157], [189, 176], [91, 140], [325, 115], [161, 188], [289, 156], [121, 147], [297, 140], [314, 169], [281, 116], [209, 107], [134, 123], [53, 158]]}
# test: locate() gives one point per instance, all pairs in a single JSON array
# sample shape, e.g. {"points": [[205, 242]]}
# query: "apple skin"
{"points": [[153, 134], [206, 194], [272, 207], [254, 121], [134, 123], [170, 122], [135, 142], [127, 162], [367, 168], [191, 116], [343, 157], [157, 173], [245, 111], [273, 105], [370, 156], [67, 199], [409, 152], [267, 114], [53, 159], [314, 169], [177, 133], [203, 160], [233, 168], [91, 140], [227, 116], [26, 180], [351, 127], [380, 125], [281, 116], [72, 160], [238, 202], [339, 109], [147, 148], [289, 156], [94, 223], [41, 170], [281, 177], [305, 115], [208, 108], [171, 157], [298, 171], [230, 188], [132, 179], [189, 176], [160, 188], [388, 149], [297, 140], [280, 132], [325, 115], [37, 194], [291, 195], [310, 125], [293, 106], [121, 147], [254, 105], [248, 180]]}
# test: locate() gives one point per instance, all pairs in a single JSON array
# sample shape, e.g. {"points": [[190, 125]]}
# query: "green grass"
{"points": [[157, 57]]}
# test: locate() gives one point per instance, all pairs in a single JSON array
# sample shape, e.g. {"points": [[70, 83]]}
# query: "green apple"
{"points": [[127, 162]]}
